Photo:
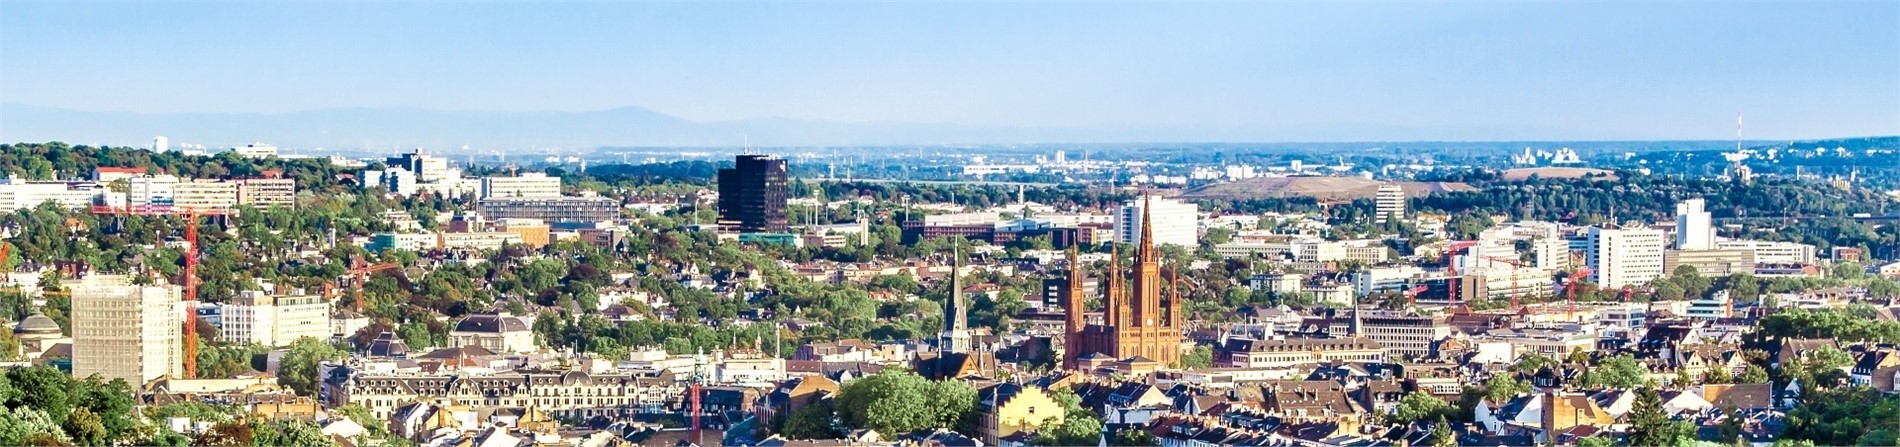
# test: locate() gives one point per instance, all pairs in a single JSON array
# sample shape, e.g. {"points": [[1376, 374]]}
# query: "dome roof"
{"points": [[37, 324], [492, 323]]}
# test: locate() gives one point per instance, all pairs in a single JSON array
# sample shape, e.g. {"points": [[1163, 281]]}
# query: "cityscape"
{"points": [[241, 263]]}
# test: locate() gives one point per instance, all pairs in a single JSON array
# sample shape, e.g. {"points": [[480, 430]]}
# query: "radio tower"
{"points": [[1738, 132]]}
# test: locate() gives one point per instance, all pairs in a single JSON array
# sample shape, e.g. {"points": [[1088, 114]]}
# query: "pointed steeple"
{"points": [[956, 316], [1146, 252]]}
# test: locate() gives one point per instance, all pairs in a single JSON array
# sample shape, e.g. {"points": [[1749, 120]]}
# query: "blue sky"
{"points": [[1571, 70]]}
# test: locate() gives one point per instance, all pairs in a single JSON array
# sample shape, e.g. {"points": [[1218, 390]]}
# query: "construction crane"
{"points": [[1576, 280], [360, 272], [1451, 269], [1515, 264], [191, 215], [1411, 294]]}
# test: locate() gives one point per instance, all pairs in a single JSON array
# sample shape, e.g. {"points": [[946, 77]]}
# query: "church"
{"points": [[1141, 312]]}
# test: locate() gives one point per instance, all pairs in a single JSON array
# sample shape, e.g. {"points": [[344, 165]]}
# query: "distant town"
{"points": [[1747, 294]]}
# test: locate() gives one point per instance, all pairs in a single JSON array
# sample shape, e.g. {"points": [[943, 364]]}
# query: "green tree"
{"points": [[811, 422], [85, 427], [897, 401], [20, 425], [1620, 371], [1134, 437], [1421, 406], [1442, 435], [1200, 358], [1649, 424], [1502, 387], [1754, 374], [299, 368]]}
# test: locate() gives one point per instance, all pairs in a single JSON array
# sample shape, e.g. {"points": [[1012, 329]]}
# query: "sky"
{"points": [[1622, 70]]}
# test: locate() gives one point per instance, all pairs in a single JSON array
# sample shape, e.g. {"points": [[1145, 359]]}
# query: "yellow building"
{"points": [[1007, 409]]}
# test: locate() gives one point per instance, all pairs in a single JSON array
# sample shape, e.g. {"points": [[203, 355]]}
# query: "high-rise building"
{"points": [[1389, 203], [1693, 228], [1139, 319], [127, 331], [752, 195], [428, 168], [161, 144], [533, 184], [1625, 256], [1174, 222], [269, 320]]}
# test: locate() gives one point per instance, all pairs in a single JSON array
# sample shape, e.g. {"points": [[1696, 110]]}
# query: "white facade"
{"points": [[1693, 228], [256, 150], [1389, 203], [17, 194], [1386, 279], [262, 319], [533, 184], [1625, 256], [126, 331], [399, 181], [1172, 222], [150, 189]]}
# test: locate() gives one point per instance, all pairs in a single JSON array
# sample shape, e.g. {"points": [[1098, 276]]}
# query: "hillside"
{"points": [[1322, 188]]}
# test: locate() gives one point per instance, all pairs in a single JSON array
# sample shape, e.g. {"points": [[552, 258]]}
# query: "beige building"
{"points": [[269, 320], [533, 232], [1710, 263], [205, 194], [267, 192], [1246, 353], [126, 331], [498, 331], [484, 241]]}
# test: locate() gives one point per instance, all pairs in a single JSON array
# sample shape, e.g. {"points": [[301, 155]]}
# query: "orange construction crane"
{"points": [[1451, 270], [361, 272], [1576, 281], [191, 215], [1515, 264]]}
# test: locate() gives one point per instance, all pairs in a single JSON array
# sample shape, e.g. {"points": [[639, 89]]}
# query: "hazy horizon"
{"points": [[965, 73]]}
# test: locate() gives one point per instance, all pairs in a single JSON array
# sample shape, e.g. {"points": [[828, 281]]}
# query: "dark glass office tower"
{"points": [[752, 195]]}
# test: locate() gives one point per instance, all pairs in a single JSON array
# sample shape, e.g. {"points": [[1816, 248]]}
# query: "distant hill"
{"points": [[1321, 188]]}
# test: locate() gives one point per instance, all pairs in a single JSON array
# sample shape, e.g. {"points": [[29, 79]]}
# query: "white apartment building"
{"points": [[1171, 221], [150, 189], [1386, 278], [205, 194], [1623, 317], [1717, 305], [1314, 249], [256, 150], [1625, 256], [1693, 228], [17, 194], [268, 320], [399, 181], [427, 168], [1389, 203], [1772, 252], [126, 331], [529, 185]]}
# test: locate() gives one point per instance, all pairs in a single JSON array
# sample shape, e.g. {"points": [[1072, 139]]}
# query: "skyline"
{"points": [[1231, 72]]}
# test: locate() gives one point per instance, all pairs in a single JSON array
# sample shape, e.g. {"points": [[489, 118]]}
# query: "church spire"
{"points": [[1146, 251], [956, 315]]}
